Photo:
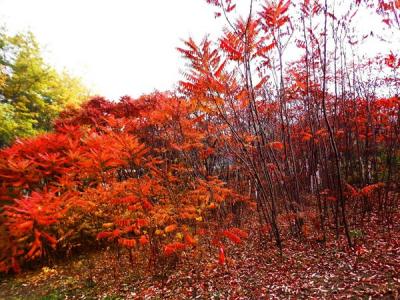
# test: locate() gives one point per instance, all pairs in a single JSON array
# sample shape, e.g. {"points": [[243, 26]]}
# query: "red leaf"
{"points": [[102, 235], [276, 145], [230, 8], [144, 240], [171, 248], [221, 257], [233, 237], [243, 234]]}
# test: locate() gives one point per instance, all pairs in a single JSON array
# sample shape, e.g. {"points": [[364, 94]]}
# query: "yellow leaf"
{"points": [[108, 225]]}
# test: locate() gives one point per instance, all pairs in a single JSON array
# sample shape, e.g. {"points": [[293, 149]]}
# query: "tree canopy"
{"points": [[32, 93]]}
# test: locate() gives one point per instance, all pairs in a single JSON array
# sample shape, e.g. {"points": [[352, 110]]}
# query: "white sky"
{"points": [[123, 47], [118, 47]]}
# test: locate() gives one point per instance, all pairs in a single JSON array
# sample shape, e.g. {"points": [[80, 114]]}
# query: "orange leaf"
{"points": [[170, 228], [306, 137], [144, 240], [142, 222], [212, 205], [129, 243], [276, 145], [25, 225], [190, 240]]}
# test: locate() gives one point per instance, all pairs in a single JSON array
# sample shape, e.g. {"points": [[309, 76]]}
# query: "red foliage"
{"points": [[299, 144]]}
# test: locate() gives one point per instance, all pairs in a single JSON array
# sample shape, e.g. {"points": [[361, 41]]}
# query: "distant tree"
{"points": [[32, 93]]}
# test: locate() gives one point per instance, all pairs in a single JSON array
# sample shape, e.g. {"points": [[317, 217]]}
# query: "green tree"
{"points": [[32, 93]]}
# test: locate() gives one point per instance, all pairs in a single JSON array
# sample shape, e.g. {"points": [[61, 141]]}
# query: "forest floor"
{"points": [[307, 270]]}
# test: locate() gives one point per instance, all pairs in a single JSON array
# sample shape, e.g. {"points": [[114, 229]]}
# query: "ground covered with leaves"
{"points": [[304, 270]]}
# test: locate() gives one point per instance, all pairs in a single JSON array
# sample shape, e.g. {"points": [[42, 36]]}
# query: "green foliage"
{"points": [[32, 93], [53, 296], [356, 233]]}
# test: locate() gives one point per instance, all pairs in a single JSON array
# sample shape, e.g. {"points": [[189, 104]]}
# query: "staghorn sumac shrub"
{"points": [[32, 226], [308, 142], [143, 180], [43, 180]]}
